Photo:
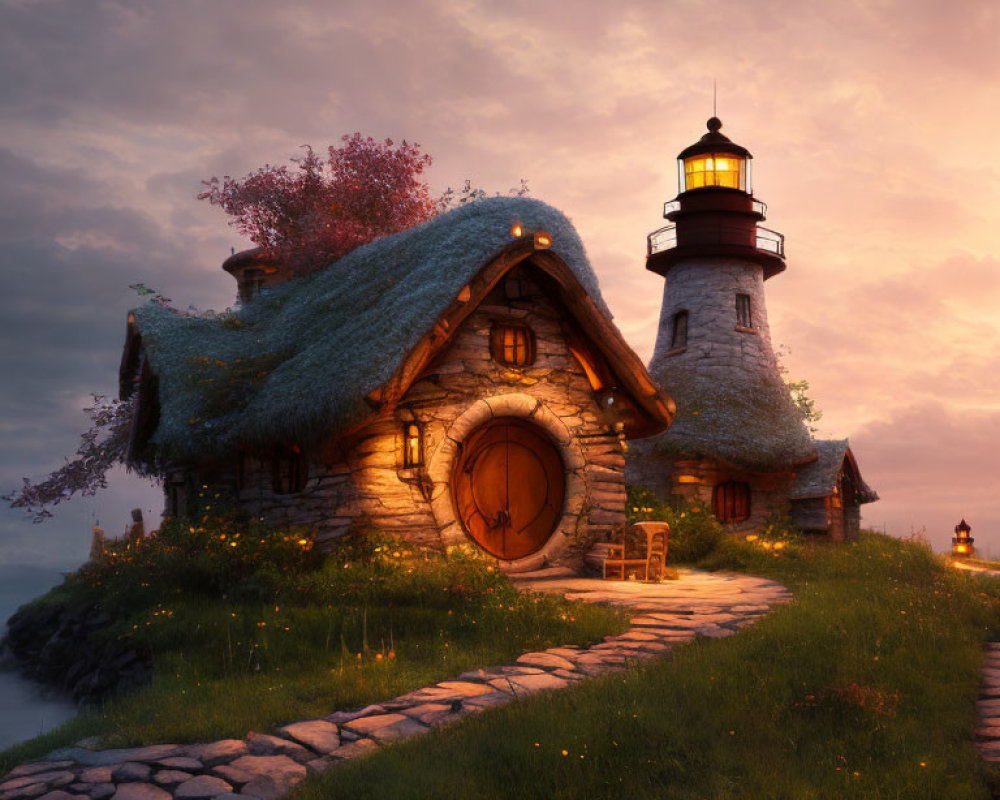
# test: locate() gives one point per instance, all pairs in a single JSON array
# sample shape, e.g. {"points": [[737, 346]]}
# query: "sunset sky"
{"points": [[871, 124]]}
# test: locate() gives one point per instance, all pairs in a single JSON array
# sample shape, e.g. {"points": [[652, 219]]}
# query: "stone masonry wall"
{"points": [[707, 288], [363, 476]]}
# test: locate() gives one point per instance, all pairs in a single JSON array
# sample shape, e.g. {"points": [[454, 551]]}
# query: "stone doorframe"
{"points": [[442, 462]]}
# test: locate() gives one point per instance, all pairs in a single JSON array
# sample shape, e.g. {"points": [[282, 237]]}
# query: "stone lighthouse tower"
{"points": [[738, 438]]}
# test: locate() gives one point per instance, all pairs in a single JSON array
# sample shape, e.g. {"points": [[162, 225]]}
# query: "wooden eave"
{"points": [[656, 408]]}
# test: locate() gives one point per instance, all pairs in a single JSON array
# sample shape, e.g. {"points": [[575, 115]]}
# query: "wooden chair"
{"points": [[650, 564]]}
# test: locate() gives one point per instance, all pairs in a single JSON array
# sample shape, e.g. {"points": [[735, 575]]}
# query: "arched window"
{"points": [[679, 331], [288, 471], [513, 345], [731, 501]]}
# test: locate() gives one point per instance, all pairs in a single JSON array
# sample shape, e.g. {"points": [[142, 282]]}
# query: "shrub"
{"points": [[694, 530]]}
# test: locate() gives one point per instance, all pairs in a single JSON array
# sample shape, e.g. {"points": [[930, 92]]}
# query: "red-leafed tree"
{"points": [[321, 209]]}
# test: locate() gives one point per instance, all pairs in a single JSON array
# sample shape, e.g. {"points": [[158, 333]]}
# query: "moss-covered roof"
{"points": [[748, 421], [819, 477], [302, 359]]}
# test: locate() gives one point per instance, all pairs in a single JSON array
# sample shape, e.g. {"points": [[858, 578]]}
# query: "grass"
{"points": [[864, 687], [370, 622]]}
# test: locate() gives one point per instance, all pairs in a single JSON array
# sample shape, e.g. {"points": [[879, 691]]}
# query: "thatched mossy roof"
{"points": [[302, 359], [747, 421], [819, 477]]}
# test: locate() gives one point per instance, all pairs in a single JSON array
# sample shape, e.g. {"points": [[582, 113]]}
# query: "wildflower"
{"points": [[752, 537], [565, 752]]}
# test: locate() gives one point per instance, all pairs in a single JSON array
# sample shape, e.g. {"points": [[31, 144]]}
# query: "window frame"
{"points": [[731, 501], [294, 480], [499, 344], [744, 311]]}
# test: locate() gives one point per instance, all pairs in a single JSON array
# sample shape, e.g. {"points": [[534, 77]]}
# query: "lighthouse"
{"points": [[738, 443]]}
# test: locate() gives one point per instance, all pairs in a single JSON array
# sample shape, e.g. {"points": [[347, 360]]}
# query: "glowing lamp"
{"points": [[543, 240], [714, 160], [961, 542], [517, 231], [413, 445], [687, 479]]}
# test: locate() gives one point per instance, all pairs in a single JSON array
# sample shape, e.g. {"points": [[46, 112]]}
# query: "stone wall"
{"points": [[706, 288], [362, 476]]}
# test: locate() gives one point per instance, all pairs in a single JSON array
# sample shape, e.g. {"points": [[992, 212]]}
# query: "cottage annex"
{"points": [[459, 382]]}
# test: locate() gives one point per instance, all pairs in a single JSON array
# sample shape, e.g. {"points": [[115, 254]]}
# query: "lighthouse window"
{"points": [[513, 345], [715, 169], [679, 332], [744, 319]]}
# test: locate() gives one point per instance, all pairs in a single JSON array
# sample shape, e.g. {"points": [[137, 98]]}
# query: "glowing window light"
{"points": [[517, 231], [543, 240], [413, 445], [714, 170]]}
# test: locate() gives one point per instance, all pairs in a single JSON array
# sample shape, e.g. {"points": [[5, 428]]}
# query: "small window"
{"points": [[413, 445], [513, 345], [743, 316], [679, 332], [288, 471], [731, 501]]}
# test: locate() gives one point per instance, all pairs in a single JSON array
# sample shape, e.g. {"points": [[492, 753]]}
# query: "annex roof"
{"points": [[819, 477]]}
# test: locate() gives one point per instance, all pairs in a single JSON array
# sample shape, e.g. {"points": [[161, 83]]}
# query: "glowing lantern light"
{"points": [[961, 542], [517, 231], [714, 161], [543, 241], [413, 445]]}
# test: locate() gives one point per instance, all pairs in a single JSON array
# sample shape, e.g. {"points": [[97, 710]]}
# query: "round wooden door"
{"points": [[509, 487]]}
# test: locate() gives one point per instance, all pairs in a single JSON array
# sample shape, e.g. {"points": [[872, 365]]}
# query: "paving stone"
{"points": [[231, 774], [96, 775], [429, 713], [107, 758], [59, 794], [263, 744], [536, 683], [101, 790], [140, 791], [340, 717], [272, 776], [202, 787], [318, 734], [80, 788], [464, 688], [49, 779], [169, 777], [356, 749], [31, 790], [130, 771], [485, 701], [398, 730], [545, 660], [219, 752], [36, 766], [181, 762]]}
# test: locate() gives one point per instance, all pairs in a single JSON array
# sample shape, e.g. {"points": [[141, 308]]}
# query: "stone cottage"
{"points": [[459, 382], [738, 443]]}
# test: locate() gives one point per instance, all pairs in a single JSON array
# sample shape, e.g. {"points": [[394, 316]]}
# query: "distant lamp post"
{"points": [[961, 542]]}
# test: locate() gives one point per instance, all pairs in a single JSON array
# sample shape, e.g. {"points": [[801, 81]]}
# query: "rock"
{"points": [[339, 717], [59, 794], [220, 752], [356, 749], [181, 762], [169, 777], [545, 660], [261, 744], [31, 790], [37, 766], [101, 790], [49, 779], [140, 791], [130, 771], [201, 788], [320, 735], [96, 775]]}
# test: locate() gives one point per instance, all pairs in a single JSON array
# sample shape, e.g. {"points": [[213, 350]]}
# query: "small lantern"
{"points": [[961, 542], [517, 231], [413, 445], [543, 240]]}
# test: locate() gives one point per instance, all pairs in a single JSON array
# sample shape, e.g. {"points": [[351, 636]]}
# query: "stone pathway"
{"points": [[988, 732], [267, 766]]}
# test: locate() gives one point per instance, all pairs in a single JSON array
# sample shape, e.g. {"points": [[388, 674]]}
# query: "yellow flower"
{"points": [[752, 537]]}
